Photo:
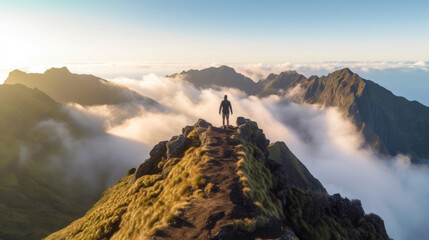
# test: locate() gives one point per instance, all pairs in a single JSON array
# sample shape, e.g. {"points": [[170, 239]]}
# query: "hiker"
{"points": [[225, 106]]}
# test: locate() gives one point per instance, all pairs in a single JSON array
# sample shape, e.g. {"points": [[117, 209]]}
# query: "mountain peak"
{"points": [[212, 183], [62, 70], [343, 71], [225, 67], [16, 73]]}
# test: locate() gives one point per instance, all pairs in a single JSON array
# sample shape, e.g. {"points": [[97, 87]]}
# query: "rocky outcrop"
{"points": [[249, 131], [150, 165]]}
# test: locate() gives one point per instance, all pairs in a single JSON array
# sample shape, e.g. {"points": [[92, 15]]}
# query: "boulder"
{"points": [[344, 208], [373, 223], [202, 123], [150, 165], [177, 145]]}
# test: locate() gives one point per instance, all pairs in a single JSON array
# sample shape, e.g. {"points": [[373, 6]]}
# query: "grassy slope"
{"points": [[136, 210], [143, 206], [33, 201]]}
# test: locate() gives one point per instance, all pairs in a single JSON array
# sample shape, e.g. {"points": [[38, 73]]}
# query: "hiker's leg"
{"points": [[227, 120], [223, 120]]}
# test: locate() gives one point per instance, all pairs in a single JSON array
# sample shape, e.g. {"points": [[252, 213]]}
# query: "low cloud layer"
{"points": [[261, 71], [322, 139]]}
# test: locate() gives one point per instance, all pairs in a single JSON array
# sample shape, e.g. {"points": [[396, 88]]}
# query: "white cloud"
{"points": [[261, 71]]}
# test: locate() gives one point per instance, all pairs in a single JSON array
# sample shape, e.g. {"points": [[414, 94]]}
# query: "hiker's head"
{"points": [[225, 97]]}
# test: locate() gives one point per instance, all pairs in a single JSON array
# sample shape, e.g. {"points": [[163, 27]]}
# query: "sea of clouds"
{"points": [[329, 145]]}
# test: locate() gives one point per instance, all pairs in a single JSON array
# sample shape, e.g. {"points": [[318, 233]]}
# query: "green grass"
{"points": [[143, 206], [257, 180]]}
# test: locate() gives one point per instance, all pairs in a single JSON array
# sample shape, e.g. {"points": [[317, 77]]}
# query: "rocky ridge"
{"points": [[210, 183]]}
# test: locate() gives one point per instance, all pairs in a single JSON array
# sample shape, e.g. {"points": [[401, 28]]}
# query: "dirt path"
{"points": [[203, 218]]}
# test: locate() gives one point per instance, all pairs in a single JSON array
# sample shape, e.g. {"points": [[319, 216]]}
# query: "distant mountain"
{"points": [[278, 83], [389, 123], [64, 86], [38, 194], [222, 76], [210, 183]]}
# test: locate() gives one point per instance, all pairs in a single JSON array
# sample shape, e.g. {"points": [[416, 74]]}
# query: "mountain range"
{"points": [[390, 124], [211, 183], [66, 87]]}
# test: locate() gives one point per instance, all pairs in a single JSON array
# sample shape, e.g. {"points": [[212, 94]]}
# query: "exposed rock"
{"points": [[344, 208], [158, 151], [131, 171], [200, 126], [202, 123], [150, 165], [250, 132], [186, 130], [176, 145], [240, 121], [374, 223]]}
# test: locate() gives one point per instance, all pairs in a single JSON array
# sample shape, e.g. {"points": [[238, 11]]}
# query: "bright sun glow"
{"points": [[15, 48]]}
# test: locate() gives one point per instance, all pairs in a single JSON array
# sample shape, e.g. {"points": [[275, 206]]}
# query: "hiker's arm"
{"points": [[220, 107], [230, 107]]}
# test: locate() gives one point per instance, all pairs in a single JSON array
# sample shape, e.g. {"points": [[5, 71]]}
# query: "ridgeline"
{"points": [[211, 183]]}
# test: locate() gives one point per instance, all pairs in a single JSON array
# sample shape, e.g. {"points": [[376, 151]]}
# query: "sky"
{"points": [[212, 31], [127, 38]]}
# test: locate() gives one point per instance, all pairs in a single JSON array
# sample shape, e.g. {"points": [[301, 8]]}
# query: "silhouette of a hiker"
{"points": [[225, 106]]}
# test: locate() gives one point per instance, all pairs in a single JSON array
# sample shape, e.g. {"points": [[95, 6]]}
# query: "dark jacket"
{"points": [[225, 106]]}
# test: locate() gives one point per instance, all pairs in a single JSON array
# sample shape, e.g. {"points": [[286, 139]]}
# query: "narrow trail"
{"points": [[203, 218]]}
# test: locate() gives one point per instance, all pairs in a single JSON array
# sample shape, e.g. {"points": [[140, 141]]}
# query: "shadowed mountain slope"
{"points": [[390, 124], [64, 86], [46, 181], [34, 198], [210, 183]]}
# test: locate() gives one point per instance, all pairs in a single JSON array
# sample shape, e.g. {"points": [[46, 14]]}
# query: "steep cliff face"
{"points": [[211, 183]]}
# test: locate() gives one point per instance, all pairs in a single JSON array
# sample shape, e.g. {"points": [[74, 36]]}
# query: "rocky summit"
{"points": [[211, 183]]}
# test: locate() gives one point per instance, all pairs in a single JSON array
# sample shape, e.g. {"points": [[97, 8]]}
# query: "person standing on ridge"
{"points": [[225, 106]]}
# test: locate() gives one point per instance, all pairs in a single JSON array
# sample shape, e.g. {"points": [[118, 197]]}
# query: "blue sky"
{"points": [[220, 31], [184, 34]]}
